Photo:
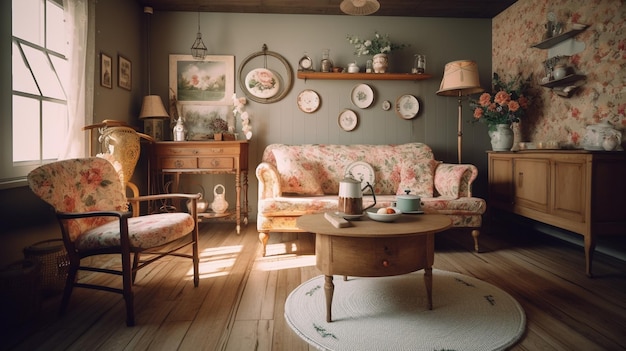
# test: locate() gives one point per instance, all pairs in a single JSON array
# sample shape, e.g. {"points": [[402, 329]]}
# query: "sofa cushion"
{"points": [[298, 176], [448, 181], [417, 177]]}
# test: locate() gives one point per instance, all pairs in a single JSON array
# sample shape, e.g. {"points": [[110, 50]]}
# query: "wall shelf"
{"points": [[572, 78], [550, 42], [362, 76]]}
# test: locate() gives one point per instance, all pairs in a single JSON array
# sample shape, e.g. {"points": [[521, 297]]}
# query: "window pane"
{"points": [[54, 129], [44, 75], [55, 29], [22, 77], [25, 129], [28, 20], [62, 67]]}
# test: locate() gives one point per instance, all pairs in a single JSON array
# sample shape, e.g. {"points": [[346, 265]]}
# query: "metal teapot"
{"points": [[201, 204], [351, 196], [601, 136]]}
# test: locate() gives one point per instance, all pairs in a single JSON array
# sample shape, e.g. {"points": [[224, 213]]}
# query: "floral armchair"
{"points": [[92, 210]]}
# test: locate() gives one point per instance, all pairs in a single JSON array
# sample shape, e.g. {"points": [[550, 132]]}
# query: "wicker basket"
{"points": [[54, 262], [20, 297]]}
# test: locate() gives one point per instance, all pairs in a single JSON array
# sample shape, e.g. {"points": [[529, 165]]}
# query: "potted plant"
{"points": [[220, 129]]}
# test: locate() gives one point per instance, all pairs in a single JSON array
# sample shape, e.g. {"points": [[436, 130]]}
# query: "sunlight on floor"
{"points": [[216, 261], [284, 262]]}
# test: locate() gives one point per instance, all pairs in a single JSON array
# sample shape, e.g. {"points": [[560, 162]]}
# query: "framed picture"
{"points": [[124, 72], [202, 121], [202, 82], [106, 71]]}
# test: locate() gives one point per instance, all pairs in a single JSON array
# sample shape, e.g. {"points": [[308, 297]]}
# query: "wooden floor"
{"points": [[239, 303]]}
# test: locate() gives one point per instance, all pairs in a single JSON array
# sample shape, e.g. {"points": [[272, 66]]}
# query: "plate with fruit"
{"points": [[384, 214]]}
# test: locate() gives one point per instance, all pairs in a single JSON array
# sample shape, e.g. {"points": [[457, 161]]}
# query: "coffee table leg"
{"points": [[329, 289], [428, 281]]}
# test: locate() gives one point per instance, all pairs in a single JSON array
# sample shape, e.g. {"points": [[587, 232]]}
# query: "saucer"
{"points": [[349, 216], [414, 212]]}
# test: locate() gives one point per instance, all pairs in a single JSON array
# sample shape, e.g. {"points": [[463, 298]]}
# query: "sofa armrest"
{"points": [[455, 180], [269, 181]]}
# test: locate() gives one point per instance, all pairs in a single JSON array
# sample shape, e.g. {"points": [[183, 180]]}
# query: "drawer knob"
{"points": [[178, 164], [215, 162], [385, 263]]}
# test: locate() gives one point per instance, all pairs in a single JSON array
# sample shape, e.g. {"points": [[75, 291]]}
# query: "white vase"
{"points": [[380, 63], [501, 138]]}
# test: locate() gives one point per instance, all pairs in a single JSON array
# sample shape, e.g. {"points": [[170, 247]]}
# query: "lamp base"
{"points": [[154, 128]]}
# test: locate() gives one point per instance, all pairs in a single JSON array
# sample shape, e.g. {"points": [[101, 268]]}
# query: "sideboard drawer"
{"points": [[216, 162], [179, 162]]}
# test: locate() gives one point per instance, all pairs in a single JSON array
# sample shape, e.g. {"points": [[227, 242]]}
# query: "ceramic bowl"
{"points": [[371, 213]]}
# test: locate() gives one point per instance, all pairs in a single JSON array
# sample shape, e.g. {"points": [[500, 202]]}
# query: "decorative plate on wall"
{"points": [[308, 101], [262, 83], [348, 120], [386, 105], [362, 96], [407, 106]]}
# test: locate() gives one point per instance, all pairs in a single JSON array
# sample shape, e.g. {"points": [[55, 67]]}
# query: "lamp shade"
{"points": [[359, 7], [460, 78], [152, 107]]}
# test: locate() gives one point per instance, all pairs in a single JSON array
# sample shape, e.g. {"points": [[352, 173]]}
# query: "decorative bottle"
{"points": [[327, 64], [179, 130]]}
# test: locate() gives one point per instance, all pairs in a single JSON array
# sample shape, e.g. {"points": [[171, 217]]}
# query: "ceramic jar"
{"points": [[560, 71], [380, 63]]}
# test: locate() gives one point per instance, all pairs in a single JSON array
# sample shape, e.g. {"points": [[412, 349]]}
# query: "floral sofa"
{"points": [[301, 179]]}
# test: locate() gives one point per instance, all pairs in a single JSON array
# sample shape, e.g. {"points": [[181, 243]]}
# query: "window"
{"points": [[39, 67]]}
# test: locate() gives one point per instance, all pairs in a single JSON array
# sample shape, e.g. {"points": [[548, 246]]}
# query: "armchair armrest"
{"points": [[269, 181], [455, 180]]}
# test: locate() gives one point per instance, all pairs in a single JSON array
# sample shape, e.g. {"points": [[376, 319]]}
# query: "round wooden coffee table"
{"points": [[374, 249]]}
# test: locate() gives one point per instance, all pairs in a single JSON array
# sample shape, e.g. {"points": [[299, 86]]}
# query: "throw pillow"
{"points": [[297, 175], [417, 177]]}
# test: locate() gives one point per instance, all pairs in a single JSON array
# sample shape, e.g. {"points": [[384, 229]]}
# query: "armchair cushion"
{"points": [[144, 232]]}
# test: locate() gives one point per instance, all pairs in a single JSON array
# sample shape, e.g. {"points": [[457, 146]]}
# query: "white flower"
{"points": [[239, 108]]}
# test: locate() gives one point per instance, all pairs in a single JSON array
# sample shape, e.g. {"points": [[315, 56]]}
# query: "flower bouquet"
{"points": [[506, 106], [380, 44]]}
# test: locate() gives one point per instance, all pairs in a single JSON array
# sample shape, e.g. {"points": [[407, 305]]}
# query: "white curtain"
{"points": [[79, 24]]}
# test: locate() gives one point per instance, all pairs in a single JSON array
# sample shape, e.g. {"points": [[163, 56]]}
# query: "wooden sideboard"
{"points": [[206, 157], [580, 191]]}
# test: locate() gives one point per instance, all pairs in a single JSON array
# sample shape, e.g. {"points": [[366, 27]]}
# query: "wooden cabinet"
{"points": [[206, 157], [580, 191]]}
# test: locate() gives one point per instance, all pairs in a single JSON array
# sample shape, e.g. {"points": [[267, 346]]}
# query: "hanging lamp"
{"points": [[198, 49], [359, 7]]}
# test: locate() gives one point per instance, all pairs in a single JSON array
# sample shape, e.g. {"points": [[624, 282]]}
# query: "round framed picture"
{"points": [[362, 96], [348, 120], [262, 83], [308, 101], [407, 106]]}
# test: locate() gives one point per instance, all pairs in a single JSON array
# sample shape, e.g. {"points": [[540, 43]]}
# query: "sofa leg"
{"points": [[263, 238], [475, 234]]}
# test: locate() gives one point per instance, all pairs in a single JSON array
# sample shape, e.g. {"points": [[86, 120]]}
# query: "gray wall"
{"points": [[441, 40]]}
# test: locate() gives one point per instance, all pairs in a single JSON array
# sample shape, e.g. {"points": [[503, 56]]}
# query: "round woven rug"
{"points": [[390, 313]]}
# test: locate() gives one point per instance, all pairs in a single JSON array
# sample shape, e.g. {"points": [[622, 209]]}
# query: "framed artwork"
{"points": [[201, 121], [106, 71], [202, 82], [124, 72]]}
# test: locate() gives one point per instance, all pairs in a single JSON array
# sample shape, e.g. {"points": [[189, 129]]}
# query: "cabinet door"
{"points": [[501, 181], [570, 190], [532, 183]]}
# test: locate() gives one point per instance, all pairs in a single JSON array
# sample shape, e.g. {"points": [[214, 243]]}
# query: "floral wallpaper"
{"points": [[603, 60]]}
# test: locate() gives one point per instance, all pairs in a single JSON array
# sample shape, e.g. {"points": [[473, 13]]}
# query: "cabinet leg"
{"points": [[590, 246]]}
